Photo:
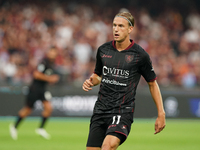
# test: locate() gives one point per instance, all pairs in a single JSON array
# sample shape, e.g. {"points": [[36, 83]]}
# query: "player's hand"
{"points": [[87, 85], [54, 78], [159, 124]]}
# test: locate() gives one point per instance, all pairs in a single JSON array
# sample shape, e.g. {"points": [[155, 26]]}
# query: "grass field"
{"points": [[71, 134]]}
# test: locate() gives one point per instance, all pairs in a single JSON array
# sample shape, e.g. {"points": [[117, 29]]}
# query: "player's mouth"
{"points": [[116, 35]]}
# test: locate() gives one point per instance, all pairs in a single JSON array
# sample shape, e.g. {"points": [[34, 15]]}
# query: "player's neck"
{"points": [[120, 46]]}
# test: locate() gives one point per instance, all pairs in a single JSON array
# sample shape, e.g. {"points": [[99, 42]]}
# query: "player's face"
{"points": [[52, 54], [121, 29]]}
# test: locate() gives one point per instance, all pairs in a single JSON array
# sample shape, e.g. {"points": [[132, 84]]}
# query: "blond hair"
{"points": [[127, 16]]}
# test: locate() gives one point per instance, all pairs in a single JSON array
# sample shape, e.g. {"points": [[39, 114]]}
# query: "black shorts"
{"points": [[101, 125], [37, 94]]}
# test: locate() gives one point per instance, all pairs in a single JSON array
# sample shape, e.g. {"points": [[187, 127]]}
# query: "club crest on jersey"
{"points": [[128, 58]]}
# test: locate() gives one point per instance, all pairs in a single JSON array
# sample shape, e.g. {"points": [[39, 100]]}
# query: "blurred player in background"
{"points": [[41, 76], [119, 66]]}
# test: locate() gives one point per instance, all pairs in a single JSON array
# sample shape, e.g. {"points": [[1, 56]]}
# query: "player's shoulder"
{"points": [[42, 65], [140, 50], [44, 62], [105, 45]]}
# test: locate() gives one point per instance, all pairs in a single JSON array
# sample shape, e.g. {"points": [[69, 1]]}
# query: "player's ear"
{"points": [[130, 29]]}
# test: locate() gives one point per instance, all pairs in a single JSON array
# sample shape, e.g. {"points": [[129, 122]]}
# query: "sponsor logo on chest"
{"points": [[121, 73], [115, 72]]}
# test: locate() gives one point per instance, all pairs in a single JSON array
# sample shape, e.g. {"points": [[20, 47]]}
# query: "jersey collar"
{"points": [[132, 43]]}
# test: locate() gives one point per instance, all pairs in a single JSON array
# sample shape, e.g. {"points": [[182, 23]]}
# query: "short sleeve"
{"points": [[98, 67], [146, 68]]}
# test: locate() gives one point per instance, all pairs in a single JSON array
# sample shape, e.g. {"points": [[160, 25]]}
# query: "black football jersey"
{"points": [[47, 67], [121, 72]]}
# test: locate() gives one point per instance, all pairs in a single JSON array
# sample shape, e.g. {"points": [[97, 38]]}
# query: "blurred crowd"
{"points": [[28, 29]]}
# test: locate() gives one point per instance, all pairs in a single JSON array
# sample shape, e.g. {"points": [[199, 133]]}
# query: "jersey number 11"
{"points": [[116, 119]]}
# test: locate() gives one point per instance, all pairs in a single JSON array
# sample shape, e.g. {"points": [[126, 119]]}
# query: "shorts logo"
{"points": [[124, 126], [128, 58]]}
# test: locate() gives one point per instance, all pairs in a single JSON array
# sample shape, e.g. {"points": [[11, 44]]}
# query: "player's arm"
{"points": [[156, 95], [43, 77], [92, 81]]}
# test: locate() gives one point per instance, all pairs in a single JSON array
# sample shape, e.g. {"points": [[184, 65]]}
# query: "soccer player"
{"points": [[42, 75], [119, 66]]}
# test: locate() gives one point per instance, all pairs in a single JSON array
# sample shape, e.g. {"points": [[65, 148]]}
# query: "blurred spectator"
{"points": [[169, 33], [9, 69]]}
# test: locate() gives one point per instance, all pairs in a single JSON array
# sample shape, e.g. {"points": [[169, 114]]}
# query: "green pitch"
{"points": [[71, 134]]}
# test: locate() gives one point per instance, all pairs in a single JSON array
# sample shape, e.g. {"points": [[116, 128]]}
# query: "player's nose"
{"points": [[116, 29]]}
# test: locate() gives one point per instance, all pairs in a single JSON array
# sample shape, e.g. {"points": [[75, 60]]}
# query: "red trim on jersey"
{"points": [[123, 99], [121, 133], [130, 85], [153, 80], [113, 44], [132, 43], [100, 97], [117, 68], [121, 103], [133, 110]]}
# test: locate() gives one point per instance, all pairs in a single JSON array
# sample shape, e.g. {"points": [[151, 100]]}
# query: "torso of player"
{"points": [[45, 67], [120, 77], [119, 68]]}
